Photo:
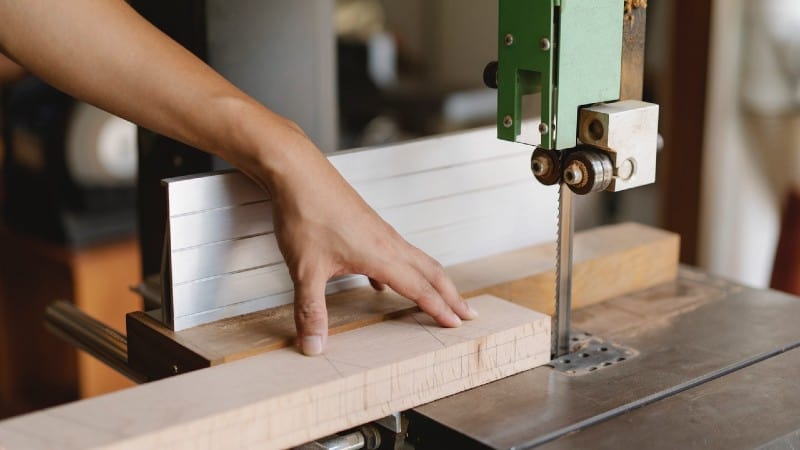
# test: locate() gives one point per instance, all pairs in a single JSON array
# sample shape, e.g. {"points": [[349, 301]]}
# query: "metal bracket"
{"points": [[590, 354], [568, 50], [628, 132]]}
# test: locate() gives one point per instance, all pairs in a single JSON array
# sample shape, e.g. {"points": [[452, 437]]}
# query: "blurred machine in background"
{"points": [[69, 168], [67, 231]]}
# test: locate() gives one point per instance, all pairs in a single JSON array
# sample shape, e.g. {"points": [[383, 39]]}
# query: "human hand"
{"points": [[324, 229]]}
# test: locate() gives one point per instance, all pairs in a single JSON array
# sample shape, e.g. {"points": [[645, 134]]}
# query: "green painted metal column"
{"points": [[525, 67], [569, 50]]}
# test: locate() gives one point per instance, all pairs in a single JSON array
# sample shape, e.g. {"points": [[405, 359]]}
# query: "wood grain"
{"points": [[281, 399], [156, 350], [609, 261]]}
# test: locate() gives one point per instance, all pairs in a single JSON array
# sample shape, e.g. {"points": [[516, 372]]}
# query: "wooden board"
{"points": [[609, 261], [457, 197], [281, 399]]}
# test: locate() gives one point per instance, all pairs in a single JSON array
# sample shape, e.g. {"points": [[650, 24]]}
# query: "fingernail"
{"points": [[456, 320], [311, 345], [472, 313]]}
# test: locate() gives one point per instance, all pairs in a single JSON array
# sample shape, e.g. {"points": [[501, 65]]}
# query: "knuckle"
{"points": [[384, 245], [438, 274], [426, 292], [428, 298], [309, 311]]}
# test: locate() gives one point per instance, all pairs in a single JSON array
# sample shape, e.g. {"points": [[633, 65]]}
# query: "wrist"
{"points": [[266, 146]]}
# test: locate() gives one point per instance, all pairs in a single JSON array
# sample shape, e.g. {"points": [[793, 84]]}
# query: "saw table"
{"points": [[717, 367]]}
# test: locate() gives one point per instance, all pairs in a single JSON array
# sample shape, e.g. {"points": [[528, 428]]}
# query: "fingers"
{"points": [[410, 283], [437, 277], [311, 315]]}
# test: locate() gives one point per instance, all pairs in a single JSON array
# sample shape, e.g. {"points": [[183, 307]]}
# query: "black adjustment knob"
{"points": [[490, 75]]}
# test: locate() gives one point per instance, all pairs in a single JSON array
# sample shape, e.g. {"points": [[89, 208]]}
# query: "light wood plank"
{"points": [[281, 399], [608, 261]]}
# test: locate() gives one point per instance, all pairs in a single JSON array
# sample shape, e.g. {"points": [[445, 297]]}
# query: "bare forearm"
{"points": [[103, 52], [9, 70]]}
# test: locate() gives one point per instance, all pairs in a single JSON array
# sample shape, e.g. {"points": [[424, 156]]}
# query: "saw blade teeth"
{"points": [[563, 268], [558, 242], [554, 337]]}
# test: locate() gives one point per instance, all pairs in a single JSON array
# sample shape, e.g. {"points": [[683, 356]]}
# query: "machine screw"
{"points": [[508, 121], [175, 369], [509, 39], [544, 44], [573, 174], [543, 128]]}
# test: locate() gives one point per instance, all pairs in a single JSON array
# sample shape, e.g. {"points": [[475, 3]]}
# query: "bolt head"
{"points": [[543, 128], [544, 44], [508, 121], [509, 40], [540, 166], [573, 174]]}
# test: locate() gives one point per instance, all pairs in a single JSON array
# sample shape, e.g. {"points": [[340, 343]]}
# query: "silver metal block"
{"points": [[628, 131]]}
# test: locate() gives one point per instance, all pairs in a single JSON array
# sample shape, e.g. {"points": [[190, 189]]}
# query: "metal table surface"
{"points": [[694, 335]]}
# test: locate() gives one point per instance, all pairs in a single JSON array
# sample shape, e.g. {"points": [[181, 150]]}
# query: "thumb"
{"points": [[311, 316]]}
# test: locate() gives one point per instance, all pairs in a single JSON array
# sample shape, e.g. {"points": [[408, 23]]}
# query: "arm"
{"points": [[9, 70], [106, 54]]}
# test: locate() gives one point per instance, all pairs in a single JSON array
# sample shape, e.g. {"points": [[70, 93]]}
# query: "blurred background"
{"points": [[80, 221]]}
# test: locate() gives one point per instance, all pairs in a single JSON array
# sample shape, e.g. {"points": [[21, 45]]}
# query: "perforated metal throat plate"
{"points": [[590, 354]]}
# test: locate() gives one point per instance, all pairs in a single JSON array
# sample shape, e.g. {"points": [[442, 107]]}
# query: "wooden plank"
{"points": [[156, 350], [609, 261], [281, 399], [457, 197]]}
